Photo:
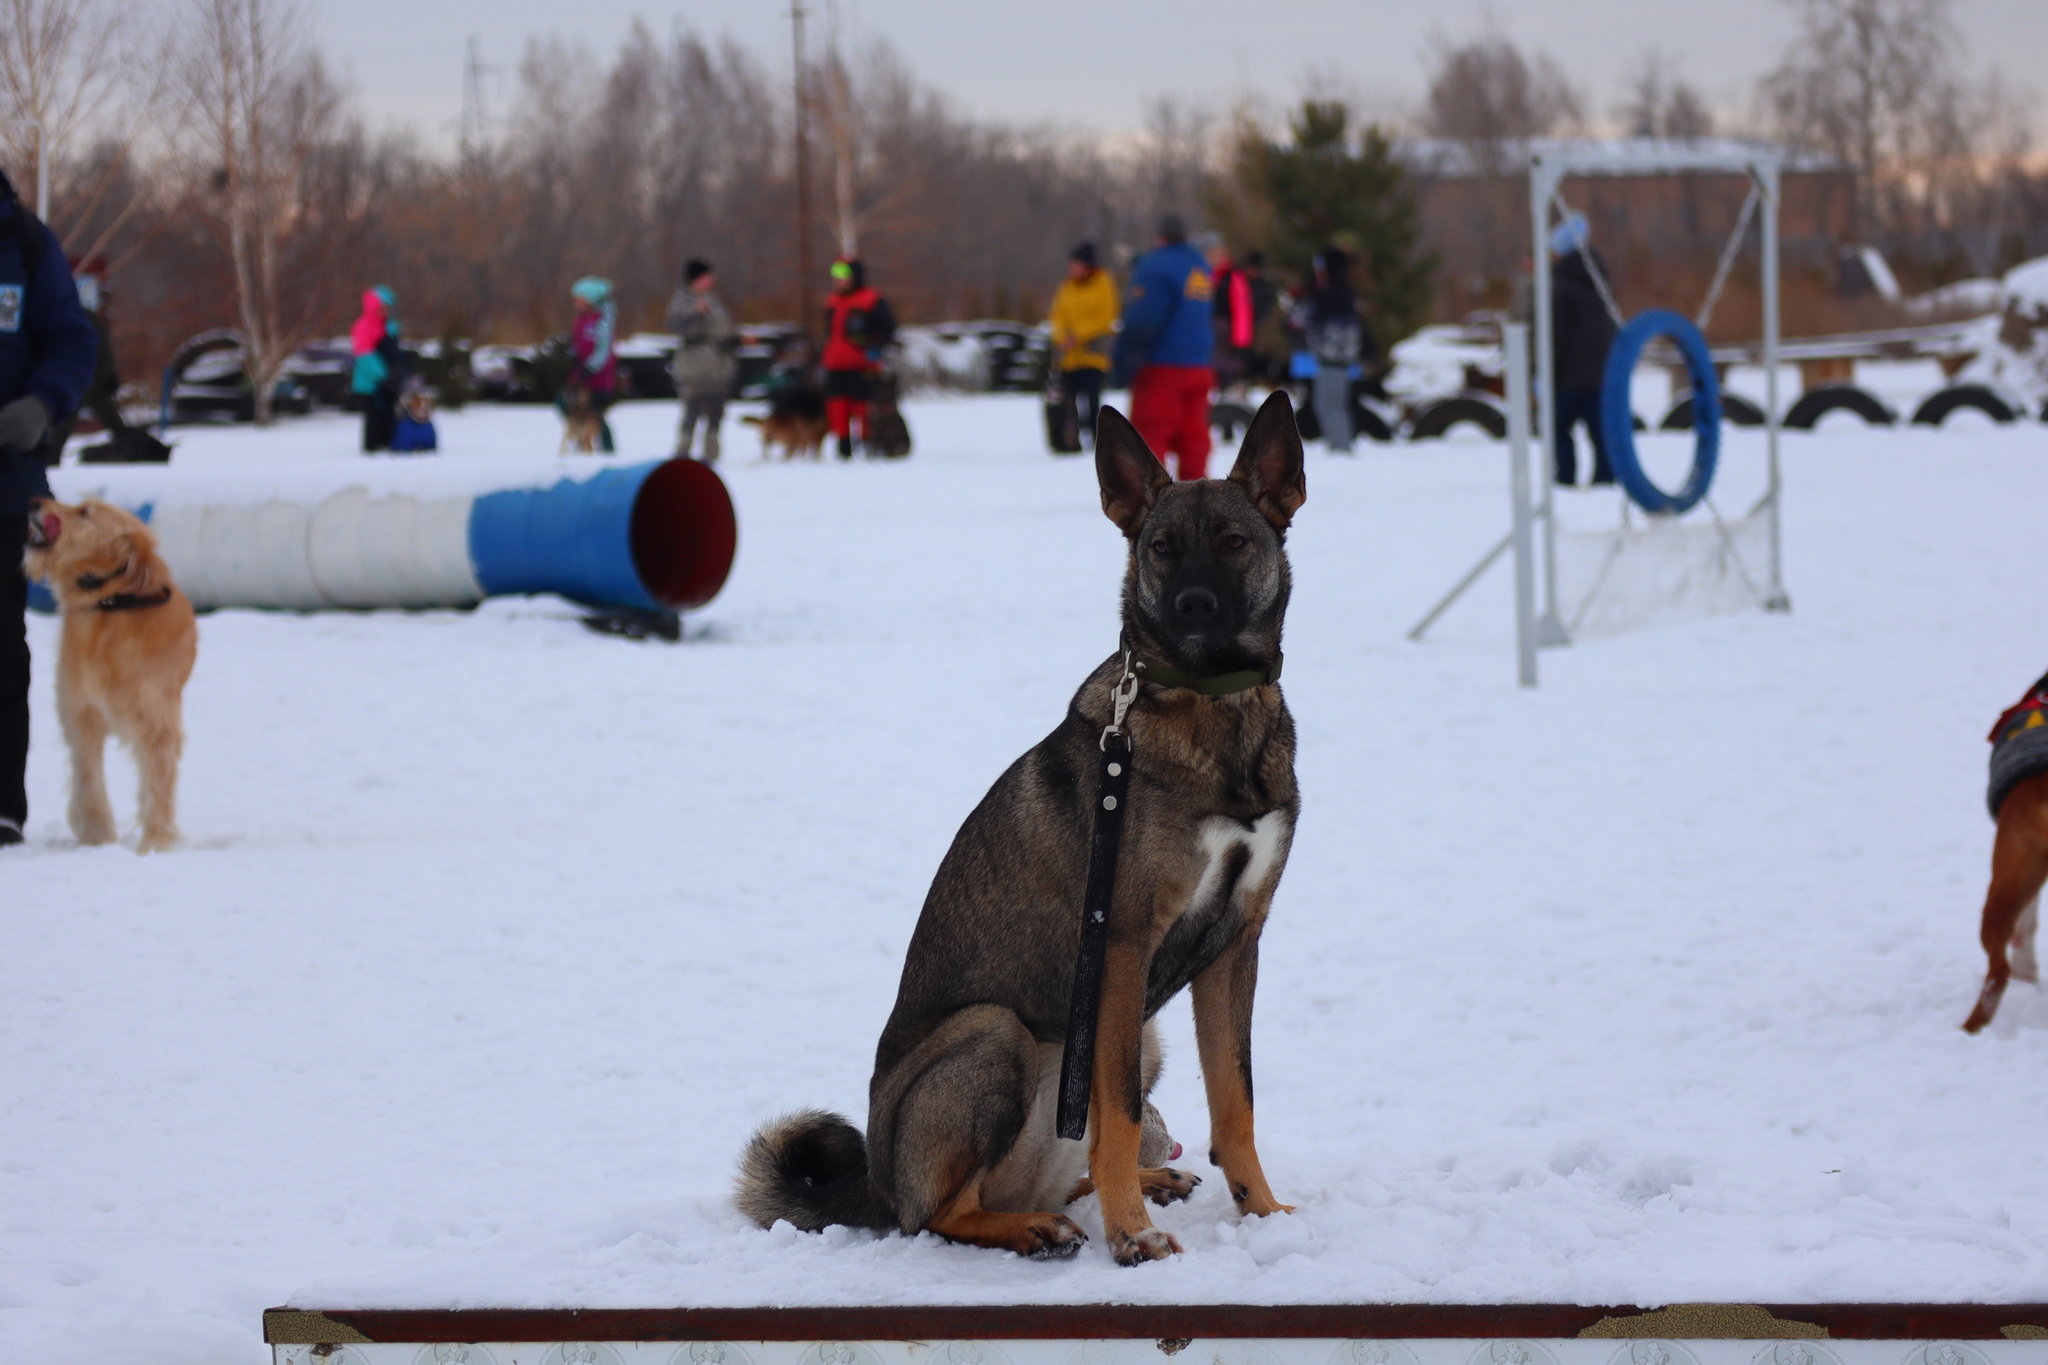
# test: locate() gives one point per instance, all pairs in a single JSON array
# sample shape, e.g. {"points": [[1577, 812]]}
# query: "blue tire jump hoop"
{"points": [[1617, 418]]}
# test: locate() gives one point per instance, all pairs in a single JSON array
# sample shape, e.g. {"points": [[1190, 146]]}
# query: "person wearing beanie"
{"points": [[1581, 333], [47, 352], [593, 361], [1084, 314], [703, 366], [858, 324], [1166, 346], [379, 372], [1329, 318]]}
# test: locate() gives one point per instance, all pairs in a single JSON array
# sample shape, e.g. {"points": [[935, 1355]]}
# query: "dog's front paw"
{"points": [[1148, 1244], [1258, 1204], [157, 841], [1057, 1237], [1166, 1185], [92, 833]]}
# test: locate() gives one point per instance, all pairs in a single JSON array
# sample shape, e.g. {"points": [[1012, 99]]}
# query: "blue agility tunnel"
{"points": [[648, 537], [651, 537], [1617, 418]]}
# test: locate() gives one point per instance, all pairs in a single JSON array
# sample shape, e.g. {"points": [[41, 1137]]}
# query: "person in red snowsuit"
{"points": [[858, 324]]}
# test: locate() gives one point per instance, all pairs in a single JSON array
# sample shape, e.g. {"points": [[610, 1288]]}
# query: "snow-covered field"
{"points": [[491, 939]]}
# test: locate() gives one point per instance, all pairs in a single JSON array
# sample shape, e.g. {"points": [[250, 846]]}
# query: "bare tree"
{"points": [[1170, 165], [81, 71], [867, 106], [1488, 95], [281, 167], [1866, 81], [1659, 104]]}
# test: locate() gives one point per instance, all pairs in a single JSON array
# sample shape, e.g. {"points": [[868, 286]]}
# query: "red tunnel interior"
{"points": [[683, 534]]}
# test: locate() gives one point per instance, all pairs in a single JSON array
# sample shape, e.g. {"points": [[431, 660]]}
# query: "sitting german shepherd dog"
{"points": [[961, 1109]]}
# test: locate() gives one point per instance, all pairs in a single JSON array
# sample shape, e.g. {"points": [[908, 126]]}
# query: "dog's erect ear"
{"points": [[1130, 474], [1269, 466]]}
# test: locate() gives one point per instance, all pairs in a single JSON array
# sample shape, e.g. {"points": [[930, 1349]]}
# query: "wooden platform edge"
{"points": [[1011, 1322]]}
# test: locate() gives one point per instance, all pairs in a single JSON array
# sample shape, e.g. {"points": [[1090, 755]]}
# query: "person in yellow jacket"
{"points": [[1084, 314]]}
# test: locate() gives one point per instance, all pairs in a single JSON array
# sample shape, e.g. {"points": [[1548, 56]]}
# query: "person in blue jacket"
{"points": [[47, 350], [1165, 349]]}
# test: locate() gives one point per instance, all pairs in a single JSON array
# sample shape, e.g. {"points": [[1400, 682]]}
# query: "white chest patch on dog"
{"points": [[1220, 835]]}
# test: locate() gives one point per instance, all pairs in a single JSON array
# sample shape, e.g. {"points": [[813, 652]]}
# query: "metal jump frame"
{"points": [[1547, 171]]}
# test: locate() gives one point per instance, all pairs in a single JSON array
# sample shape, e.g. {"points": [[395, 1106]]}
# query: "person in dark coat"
{"points": [[1581, 333], [1335, 332], [47, 352], [379, 374]]}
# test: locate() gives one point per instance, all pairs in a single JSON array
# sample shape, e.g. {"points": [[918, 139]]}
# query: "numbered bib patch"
{"points": [[10, 307]]}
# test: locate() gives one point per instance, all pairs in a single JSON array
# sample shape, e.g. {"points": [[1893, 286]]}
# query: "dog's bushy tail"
{"points": [[811, 1169]]}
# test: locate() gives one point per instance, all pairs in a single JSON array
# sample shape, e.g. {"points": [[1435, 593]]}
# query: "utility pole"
{"points": [[803, 178], [475, 121]]}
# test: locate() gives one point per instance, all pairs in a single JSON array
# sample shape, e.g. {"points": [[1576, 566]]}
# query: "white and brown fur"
{"points": [[2012, 903], [959, 1135], [120, 671], [582, 423]]}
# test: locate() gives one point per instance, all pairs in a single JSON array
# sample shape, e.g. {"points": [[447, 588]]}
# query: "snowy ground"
{"points": [[491, 939]]}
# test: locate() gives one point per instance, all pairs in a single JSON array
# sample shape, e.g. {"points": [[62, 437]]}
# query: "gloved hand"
{"points": [[22, 424]]}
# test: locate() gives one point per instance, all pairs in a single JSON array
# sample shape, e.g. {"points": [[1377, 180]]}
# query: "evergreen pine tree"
{"points": [[1324, 188]]}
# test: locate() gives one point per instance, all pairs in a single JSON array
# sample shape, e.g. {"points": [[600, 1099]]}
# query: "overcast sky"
{"points": [[1086, 63]]}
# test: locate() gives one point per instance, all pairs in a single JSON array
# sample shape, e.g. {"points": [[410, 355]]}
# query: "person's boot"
{"points": [[846, 447], [10, 832]]}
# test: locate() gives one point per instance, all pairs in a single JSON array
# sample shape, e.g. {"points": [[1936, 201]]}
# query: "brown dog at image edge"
{"points": [[960, 1135], [126, 648], [2018, 801]]}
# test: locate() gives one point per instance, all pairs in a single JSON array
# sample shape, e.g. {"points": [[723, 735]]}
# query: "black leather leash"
{"points": [[1112, 788]]}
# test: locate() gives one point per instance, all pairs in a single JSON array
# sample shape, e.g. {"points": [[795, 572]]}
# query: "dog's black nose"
{"points": [[1195, 604]]}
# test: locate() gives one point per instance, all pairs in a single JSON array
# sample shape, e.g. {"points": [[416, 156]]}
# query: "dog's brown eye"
{"points": [[1234, 542], [1160, 547]]}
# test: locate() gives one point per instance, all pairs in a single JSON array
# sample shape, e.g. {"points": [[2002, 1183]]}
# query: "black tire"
{"points": [[1306, 422], [1227, 419], [1368, 423], [1817, 403], [1735, 410], [1445, 413], [1934, 410]]}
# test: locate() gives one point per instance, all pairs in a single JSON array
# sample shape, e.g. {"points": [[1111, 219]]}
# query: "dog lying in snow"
{"points": [[128, 644]]}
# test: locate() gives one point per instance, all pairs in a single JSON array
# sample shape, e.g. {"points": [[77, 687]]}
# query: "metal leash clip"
{"points": [[1121, 694]]}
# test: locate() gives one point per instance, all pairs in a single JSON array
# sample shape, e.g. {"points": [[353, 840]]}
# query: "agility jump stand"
{"points": [[1548, 169], [1194, 1334]]}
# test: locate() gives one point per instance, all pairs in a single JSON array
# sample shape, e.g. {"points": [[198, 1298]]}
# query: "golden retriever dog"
{"points": [[128, 644]]}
